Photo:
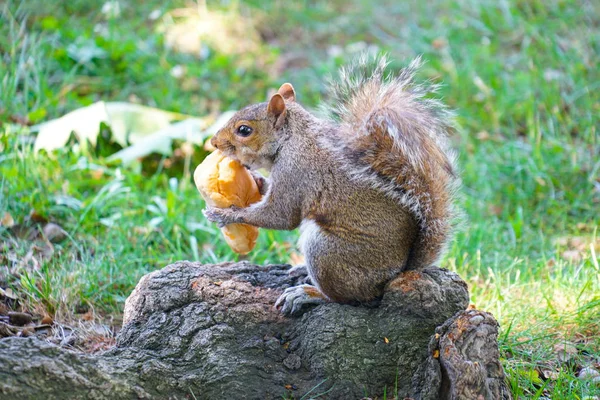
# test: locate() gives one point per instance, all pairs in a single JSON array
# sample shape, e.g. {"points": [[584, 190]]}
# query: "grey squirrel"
{"points": [[371, 185]]}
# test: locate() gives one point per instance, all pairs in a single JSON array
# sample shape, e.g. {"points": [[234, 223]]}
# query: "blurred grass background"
{"points": [[522, 75]]}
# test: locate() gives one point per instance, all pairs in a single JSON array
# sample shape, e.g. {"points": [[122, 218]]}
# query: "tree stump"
{"points": [[211, 332]]}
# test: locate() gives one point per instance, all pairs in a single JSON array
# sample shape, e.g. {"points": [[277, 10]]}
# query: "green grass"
{"points": [[522, 75]]}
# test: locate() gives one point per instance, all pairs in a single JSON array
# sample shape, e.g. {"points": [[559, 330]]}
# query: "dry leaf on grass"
{"points": [[565, 351], [572, 255], [576, 248], [548, 374], [7, 220], [589, 373]]}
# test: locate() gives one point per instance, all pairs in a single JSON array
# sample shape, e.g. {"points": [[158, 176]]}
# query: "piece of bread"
{"points": [[224, 182]]}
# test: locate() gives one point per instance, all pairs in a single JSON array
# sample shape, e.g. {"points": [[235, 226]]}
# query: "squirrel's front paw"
{"points": [[221, 216], [294, 298]]}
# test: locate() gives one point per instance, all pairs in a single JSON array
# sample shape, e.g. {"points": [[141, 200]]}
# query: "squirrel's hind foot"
{"points": [[294, 299]]}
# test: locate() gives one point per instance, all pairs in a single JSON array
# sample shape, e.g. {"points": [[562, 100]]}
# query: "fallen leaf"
{"points": [[192, 130], [36, 216], [565, 351], [546, 374], [572, 255], [588, 373], [129, 123], [8, 292], [159, 141], [54, 233], [7, 220], [581, 243]]}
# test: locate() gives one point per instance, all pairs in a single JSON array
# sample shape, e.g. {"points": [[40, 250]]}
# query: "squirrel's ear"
{"points": [[287, 92], [276, 109]]}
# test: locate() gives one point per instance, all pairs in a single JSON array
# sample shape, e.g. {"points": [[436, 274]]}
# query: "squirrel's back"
{"points": [[395, 138]]}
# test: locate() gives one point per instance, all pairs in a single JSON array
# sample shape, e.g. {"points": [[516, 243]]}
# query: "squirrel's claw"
{"points": [[217, 215], [294, 298]]}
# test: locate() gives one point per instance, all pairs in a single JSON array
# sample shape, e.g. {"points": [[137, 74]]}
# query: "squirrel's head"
{"points": [[254, 134]]}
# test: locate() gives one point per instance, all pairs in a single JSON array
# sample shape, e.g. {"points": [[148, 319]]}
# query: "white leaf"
{"points": [[160, 141], [128, 122]]}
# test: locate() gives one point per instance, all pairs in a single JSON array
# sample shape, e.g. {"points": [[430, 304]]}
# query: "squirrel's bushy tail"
{"points": [[399, 138]]}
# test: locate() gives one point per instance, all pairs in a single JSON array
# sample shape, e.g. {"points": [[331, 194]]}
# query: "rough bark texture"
{"points": [[210, 332], [464, 361]]}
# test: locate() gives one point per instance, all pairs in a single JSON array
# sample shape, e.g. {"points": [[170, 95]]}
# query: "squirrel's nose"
{"points": [[213, 141]]}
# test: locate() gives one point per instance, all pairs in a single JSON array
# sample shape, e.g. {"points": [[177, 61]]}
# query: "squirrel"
{"points": [[371, 184]]}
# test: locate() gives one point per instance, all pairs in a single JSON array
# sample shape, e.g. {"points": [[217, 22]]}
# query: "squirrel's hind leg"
{"points": [[298, 270], [300, 273], [295, 298]]}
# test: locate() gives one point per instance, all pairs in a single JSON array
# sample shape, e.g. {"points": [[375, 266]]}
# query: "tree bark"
{"points": [[210, 332]]}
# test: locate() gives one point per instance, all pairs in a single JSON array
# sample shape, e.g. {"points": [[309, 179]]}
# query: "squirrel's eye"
{"points": [[244, 130]]}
